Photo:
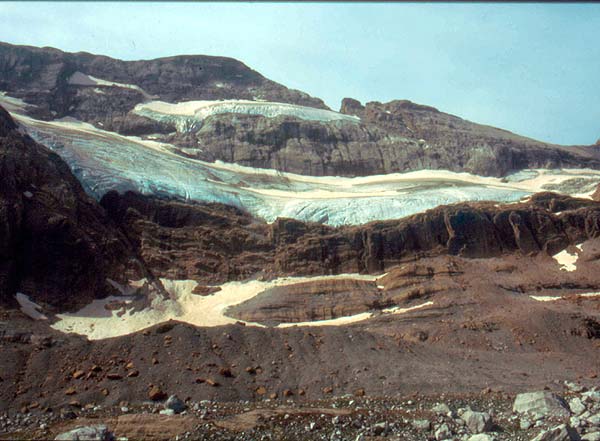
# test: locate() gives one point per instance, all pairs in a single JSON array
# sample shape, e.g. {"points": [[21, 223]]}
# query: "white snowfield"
{"points": [[187, 114], [81, 79], [96, 321]]}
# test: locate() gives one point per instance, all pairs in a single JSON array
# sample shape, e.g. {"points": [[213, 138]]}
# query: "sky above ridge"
{"points": [[533, 69]]}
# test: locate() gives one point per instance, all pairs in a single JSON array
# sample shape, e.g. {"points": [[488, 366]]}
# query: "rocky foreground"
{"points": [[571, 413]]}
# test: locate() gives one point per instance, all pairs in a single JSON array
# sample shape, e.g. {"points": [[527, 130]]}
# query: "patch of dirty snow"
{"points": [[355, 318], [29, 308], [98, 320], [399, 310], [81, 79], [12, 104]]}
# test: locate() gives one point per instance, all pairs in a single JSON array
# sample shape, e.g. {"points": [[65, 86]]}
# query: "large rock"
{"points": [[545, 404], [559, 433], [477, 422], [87, 433], [175, 404]]}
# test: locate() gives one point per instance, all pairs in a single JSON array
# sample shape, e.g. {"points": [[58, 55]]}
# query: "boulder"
{"points": [[175, 404], [477, 422], [86, 433], [541, 403]]}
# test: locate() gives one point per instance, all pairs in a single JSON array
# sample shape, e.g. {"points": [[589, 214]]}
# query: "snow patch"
{"points": [[554, 298], [29, 308], [81, 79], [100, 320], [567, 260], [355, 318]]}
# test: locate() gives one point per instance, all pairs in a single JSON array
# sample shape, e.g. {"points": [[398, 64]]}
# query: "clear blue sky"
{"points": [[530, 68]]}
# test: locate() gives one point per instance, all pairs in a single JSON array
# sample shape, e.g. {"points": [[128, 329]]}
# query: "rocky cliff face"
{"points": [[214, 243], [453, 143], [56, 243]]}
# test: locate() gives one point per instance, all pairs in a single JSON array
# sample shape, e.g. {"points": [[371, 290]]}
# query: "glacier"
{"points": [[105, 161], [187, 116]]}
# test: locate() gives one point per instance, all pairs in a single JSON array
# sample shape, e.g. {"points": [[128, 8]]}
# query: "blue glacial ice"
{"points": [[105, 161]]}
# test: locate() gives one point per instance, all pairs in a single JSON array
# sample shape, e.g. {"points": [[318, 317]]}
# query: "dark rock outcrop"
{"points": [[213, 243], [56, 243]]}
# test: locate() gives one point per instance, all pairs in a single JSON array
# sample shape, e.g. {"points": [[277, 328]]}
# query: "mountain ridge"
{"points": [[391, 137]]}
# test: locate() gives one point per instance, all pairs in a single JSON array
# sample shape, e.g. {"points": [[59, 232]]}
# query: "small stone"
{"points": [[287, 393], [327, 390], [70, 391], [114, 376], [576, 406], [273, 396], [359, 392], [574, 387], [211, 382], [156, 394], [443, 432], [422, 424], [441, 409], [226, 372], [168, 412], [525, 424], [133, 373], [78, 374]]}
